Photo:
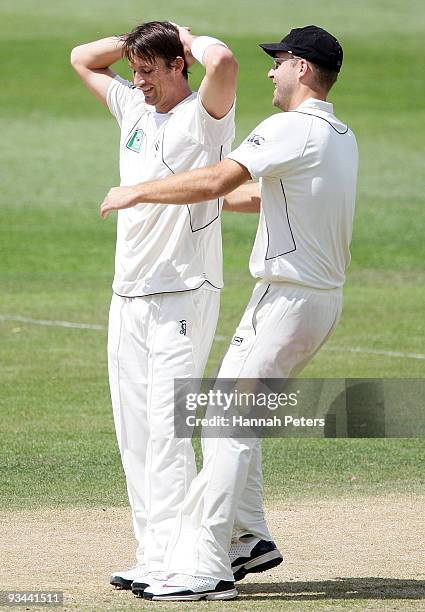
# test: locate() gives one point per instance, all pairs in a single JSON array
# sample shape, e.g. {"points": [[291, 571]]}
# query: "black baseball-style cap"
{"points": [[311, 43]]}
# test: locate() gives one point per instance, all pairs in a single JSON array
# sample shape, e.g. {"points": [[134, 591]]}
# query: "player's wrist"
{"points": [[201, 43], [137, 195]]}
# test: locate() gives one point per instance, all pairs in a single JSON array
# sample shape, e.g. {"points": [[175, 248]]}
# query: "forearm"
{"points": [[192, 187], [98, 55], [245, 198]]}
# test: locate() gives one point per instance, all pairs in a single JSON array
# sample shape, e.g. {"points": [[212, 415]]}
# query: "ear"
{"points": [[178, 64], [303, 67]]}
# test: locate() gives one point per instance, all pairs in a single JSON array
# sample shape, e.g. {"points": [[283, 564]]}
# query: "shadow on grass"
{"points": [[339, 588]]}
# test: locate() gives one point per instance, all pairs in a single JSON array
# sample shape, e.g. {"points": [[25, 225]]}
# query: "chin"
{"points": [[151, 97], [279, 103]]}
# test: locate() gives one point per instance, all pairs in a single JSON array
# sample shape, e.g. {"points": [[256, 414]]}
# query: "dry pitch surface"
{"points": [[363, 554]]}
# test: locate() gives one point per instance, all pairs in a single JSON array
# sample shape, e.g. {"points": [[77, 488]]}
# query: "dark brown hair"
{"points": [[324, 77], [154, 39]]}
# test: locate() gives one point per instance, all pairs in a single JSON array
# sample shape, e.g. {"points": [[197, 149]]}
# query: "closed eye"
{"points": [[141, 71]]}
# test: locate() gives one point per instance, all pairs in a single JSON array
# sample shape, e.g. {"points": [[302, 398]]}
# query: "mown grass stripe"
{"points": [[337, 349]]}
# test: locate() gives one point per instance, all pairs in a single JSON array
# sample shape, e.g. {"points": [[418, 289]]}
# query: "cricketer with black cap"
{"points": [[306, 162]]}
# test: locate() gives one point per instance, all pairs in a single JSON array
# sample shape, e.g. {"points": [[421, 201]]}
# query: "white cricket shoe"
{"points": [[250, 555], [182, 587], [124, 579]]}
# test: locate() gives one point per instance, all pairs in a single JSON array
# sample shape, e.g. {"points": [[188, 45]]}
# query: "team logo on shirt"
{"points": [[136, 140], [182, 327], [255, 139], [237, 340]]}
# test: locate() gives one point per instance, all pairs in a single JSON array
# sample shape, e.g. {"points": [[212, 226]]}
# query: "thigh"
{"points": [[206, 305], [244, 337], [128, 367], [289, 326], [183, 332], [127, 342]]}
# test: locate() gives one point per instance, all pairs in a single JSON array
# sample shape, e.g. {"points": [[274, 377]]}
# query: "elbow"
{"points": [[75, 57], [224, 60], [79, 57]]}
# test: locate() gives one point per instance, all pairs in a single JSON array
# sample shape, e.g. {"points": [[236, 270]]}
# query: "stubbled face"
{"points": [[156, 80], [285, 80]]}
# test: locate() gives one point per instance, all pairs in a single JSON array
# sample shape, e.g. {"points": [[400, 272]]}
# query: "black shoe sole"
{"points": [[121, 584], [139, 588], [257, 569]]}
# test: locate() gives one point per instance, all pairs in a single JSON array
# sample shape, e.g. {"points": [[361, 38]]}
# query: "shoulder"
{"points": [[120, 85], [124, 93], [191, 118], [282, 123], [193, 105], [287, 128]]}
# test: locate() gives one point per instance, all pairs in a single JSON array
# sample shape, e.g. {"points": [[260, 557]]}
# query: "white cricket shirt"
{"points": [[165, 248], [307, 162]]}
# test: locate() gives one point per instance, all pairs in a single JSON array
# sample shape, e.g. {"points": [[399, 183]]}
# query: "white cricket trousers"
{"points": [[153, 340], [282, 328]]}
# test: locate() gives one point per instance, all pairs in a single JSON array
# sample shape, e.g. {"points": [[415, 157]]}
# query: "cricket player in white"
{"points": [[168, 264], [306, 160]]}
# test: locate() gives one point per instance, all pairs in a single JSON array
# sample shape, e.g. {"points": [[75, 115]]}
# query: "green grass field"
{"points": [[59, 158]]}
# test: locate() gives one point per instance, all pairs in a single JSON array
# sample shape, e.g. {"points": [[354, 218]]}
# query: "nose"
{"points": [[270, 73], [138, 80]]}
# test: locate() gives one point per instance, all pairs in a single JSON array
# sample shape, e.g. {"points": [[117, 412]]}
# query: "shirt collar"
{"points": [[182, 102], [321, 105]]}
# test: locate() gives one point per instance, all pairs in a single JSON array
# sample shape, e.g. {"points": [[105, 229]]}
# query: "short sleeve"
{"points": [[274, 146], [119, 94], [213, 132]]}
